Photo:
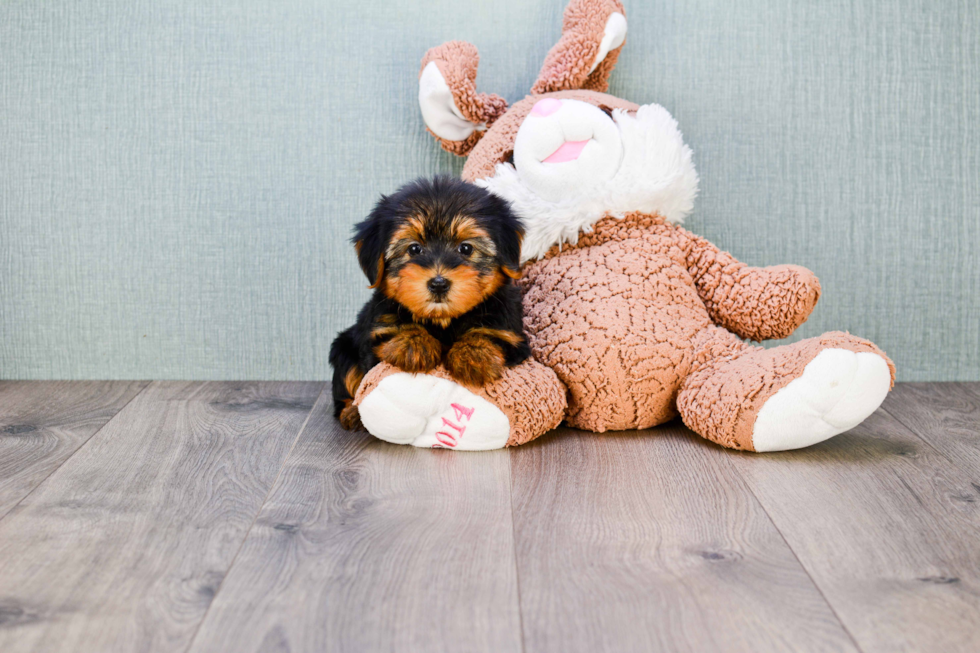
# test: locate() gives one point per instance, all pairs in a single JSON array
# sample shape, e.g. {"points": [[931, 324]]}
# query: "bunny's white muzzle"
{"points": [[565, 147]]}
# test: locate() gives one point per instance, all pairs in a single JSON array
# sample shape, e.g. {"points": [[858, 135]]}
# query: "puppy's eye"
{"points": [[414, 249], [465, 249]]}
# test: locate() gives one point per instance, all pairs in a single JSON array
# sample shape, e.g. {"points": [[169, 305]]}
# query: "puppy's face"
{"points": [[440, 247], [440, 267]]}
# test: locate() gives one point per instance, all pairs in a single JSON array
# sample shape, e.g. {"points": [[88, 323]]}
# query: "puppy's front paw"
{"points": [[350, 418], [412, 349], [475, 361]]}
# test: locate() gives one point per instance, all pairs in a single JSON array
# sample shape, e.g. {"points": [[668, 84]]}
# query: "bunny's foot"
{"points": [[787, 397], [432, 410]]}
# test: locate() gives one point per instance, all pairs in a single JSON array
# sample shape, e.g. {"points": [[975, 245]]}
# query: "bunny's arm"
{"points": [[755, 303]]}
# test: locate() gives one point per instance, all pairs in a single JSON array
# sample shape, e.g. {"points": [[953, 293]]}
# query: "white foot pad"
{"points": [[837, 391], [426, 411]]}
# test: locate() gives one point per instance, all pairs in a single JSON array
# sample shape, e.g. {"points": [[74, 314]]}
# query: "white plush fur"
{"points": [[573, 121], [838, 389], [612, 37], [427, 411], [656, 175]]}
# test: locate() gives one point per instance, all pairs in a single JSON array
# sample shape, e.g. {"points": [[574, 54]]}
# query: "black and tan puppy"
{"points": [[441, 255]]}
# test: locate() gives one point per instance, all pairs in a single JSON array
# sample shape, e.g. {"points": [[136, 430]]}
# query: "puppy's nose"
{"points": [[438, 285]]}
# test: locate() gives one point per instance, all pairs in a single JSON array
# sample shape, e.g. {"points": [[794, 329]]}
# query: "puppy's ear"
{"points": [[508, 233], [512, 268], [371, 238]]}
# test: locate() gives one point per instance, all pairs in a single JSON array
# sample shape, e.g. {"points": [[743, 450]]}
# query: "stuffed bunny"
{"points": [[632, 320]]}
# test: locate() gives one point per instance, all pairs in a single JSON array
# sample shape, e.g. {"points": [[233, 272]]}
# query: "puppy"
{"points": [[440, 255]]}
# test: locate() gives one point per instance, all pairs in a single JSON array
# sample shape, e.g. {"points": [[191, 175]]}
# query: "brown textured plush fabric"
{"points": [[529, 394], [567, 64], [627, 313], [627, 318], [615, 316]]}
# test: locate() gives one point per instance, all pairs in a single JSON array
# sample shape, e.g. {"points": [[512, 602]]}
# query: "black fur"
{"points": [[439, 200]]}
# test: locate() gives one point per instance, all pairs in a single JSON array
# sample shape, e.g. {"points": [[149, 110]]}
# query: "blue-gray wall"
{"points": [[178, 179]]}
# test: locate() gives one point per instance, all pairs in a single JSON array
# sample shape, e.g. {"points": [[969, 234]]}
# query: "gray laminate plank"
{"points": [[368, 546], [947, 416], [42, 423], [886, 527], [124, 546], [644, 542]]}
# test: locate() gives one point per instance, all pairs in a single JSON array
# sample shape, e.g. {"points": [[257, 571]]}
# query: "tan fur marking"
{"points": [[412, 231], [475, 360], [352, 380], [509, 337], [413, 349], [382, 331], [469, 288], [408, 288], [464, 227], [381, 273], [350, 417], [381, 264]]}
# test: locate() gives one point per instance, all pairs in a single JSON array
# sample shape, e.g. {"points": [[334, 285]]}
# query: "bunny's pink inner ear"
{"points": [[452, 109], [593, 33]]}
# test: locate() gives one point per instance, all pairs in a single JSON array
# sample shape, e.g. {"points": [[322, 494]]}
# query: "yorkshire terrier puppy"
{"points": [[441, 255]]}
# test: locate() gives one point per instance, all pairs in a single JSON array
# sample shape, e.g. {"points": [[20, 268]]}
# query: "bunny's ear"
{"points": [[452, 109], [592, 34]]}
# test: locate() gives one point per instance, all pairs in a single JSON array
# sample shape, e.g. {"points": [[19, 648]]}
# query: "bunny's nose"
{"points": [[546, 107], [438, 285]]}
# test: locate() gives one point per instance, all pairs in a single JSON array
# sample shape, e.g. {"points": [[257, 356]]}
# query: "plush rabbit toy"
{"points": [[631, 319]]}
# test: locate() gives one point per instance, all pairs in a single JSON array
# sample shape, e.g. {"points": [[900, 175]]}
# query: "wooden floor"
{"points": [[209, 517]]}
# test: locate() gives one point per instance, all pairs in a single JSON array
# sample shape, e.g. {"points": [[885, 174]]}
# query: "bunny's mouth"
{"points": [[568, 151]]}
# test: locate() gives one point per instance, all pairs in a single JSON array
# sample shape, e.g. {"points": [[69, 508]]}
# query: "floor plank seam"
{"points": [[796, 557], [146, 384], [513, 536], [248, 531], [921, 438]]}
